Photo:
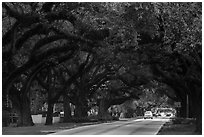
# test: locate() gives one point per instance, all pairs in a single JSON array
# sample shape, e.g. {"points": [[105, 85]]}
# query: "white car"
{"points": [[148, 114]]}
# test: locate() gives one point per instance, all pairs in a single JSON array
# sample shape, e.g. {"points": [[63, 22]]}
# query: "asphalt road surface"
{"points": [[122, 127]]}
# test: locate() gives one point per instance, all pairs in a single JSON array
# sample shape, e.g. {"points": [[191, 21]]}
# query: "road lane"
{"points": [[129, 127]]}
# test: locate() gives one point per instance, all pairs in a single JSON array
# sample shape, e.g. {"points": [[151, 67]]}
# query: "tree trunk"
{"points": [[199, 119], [51, 89], [49, 117], [103, 110], [197, 103], [80, 108], [80, 111], [196, 98], [21, 102], [24, 114], [198, 114], [67, 109], [191, 108], [183, 108]]}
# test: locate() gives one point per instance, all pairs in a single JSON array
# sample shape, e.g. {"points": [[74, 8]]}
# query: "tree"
{"points": [[170, 41], [32, 22], [179, 48]]}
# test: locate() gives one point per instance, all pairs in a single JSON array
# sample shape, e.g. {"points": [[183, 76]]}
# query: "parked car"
{"points": [[148, 114]]}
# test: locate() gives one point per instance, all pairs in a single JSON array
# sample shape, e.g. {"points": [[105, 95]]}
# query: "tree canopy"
{"points": [[102, 50]]}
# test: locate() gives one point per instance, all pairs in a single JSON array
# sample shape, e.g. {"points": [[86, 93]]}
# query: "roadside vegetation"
{"points": [[179, 126]]}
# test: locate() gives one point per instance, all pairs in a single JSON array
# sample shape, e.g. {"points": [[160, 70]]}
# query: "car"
{"points": [[148, 114]]}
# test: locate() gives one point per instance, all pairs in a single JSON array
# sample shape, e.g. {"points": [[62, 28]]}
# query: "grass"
{"points": [[41, 129], [178, 126]]}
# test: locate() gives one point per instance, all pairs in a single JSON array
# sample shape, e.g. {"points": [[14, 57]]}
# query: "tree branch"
{"points": [[38, 29], [25, 19], [8, 36]]}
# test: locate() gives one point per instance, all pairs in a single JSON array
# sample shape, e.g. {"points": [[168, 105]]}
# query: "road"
{"points": [[122, 127]]}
